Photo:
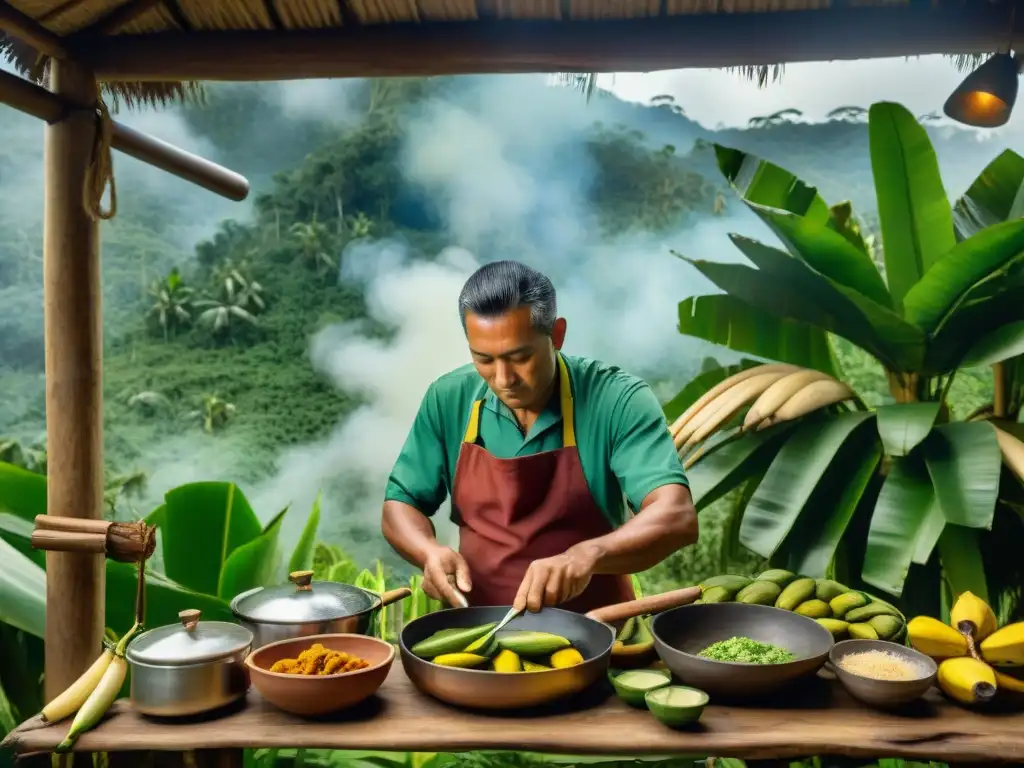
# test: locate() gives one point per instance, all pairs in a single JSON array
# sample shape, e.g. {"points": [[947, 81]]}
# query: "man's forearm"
{"points": [[666, 523], [409, 531]]}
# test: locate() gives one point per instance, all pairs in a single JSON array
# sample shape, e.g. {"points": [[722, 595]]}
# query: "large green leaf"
{"points": [[18, 533], [962, 563], [901, 427], [811, 545], [1004, 342], [302, 555], [791, 288], [22, 591], [254, 563], [988, 306], [732, 462], [203, 524], [731, 322], [913, 210], [937, 294], [164, 599], [22, 493], [763, 183], [904, 505], [996, 195], [827, 252], [792, 478], [964, 462]]}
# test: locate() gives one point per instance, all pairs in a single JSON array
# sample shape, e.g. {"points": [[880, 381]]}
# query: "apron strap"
{"points": [[565, 398], [565, 395]]}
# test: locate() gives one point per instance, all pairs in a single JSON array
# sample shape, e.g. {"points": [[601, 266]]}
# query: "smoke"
{"points": [[508, 172]]}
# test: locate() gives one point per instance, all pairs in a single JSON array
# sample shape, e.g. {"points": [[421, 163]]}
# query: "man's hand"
{"points": [[555, 580], [443, 567]]}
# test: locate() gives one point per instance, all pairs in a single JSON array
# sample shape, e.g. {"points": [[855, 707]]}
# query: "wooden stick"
{"points": [[31, 99], [17, 24], [66, 541], [620, 45], [72, 524]]}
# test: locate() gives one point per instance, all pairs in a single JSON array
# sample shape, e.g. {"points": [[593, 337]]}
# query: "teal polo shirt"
{"points": [[621, 434]]}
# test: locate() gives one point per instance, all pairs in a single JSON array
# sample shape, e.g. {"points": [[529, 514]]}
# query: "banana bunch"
{"points": [[775, 392], [842, 611], [977, 659], [90, 696]]}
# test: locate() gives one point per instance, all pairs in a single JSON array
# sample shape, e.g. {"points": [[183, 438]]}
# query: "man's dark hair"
{"points": [[503, 286]]}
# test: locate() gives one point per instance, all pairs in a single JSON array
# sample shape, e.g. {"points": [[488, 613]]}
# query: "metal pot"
{"points": [[309, 608], [189, 669]]}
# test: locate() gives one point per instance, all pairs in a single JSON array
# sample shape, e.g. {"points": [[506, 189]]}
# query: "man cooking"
{"points": [[537, 450]]}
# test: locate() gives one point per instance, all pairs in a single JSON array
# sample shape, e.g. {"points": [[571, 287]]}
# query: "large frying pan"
{"points": [[681, 634], [591, 634]]}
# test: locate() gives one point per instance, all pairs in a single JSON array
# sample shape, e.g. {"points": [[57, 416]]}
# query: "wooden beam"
{"points": [[39, 102], [641, 45], [25, 28], [74, 399]]}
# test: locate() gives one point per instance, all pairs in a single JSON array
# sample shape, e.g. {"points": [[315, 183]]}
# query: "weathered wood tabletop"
{"points": [[820, 719]]}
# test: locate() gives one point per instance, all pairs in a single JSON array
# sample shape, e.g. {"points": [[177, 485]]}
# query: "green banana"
{"points": [[759, 593], [795, 593]]}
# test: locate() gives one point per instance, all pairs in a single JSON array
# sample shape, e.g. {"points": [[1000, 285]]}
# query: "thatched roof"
{"points": [[145, 49]]}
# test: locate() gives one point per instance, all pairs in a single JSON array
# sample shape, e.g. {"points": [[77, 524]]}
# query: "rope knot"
{"points": [[100, 173]]}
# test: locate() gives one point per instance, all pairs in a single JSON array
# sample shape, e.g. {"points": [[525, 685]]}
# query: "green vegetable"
{"points": [[747, 651], [445, 641]]}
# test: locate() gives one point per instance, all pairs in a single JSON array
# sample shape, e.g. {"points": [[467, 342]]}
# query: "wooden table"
{"points": [[820, 720]]}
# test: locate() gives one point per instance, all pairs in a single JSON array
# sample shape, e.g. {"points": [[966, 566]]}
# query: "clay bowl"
{"points": [[315, 695]]}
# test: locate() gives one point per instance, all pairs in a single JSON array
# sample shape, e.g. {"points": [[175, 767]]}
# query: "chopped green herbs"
{"points": [[748, 651]]}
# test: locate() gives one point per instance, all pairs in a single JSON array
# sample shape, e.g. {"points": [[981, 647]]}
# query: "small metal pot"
{"points": [[189, 669], [309, 608]]}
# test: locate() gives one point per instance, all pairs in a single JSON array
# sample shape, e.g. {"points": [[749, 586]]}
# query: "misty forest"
{"points": [[283, 344]]}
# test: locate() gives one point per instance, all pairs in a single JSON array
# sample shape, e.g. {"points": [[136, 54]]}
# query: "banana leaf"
{"points": [[962, 562], [905, 504], [302, 555], [964, 462], [792, 478], [731, 463], [904, 425], [872, 326], [760, 182], [828, 253], [996, 195], [22, 591], [913, 210], [937, 293], [1001, 344], [254, 563], [22, 493], [810, 548], [731, 322], [203, 525]]}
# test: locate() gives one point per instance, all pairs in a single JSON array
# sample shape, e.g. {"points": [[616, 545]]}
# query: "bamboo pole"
{"points": [[71, 284], [618, 45], [32, 100], [17, 24]]}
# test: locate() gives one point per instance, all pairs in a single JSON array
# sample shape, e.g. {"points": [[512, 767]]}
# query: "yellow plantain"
{"points": [[103, 695], [815, 395], [715, 391], [1013, 452], [778, 393], [727, 405]]}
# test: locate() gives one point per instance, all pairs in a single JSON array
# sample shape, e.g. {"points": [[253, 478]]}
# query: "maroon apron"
{"points": [[514, 511]]}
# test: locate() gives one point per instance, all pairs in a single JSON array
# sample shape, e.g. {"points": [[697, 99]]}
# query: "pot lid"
{"points": [[304, 600], [191, 642]]}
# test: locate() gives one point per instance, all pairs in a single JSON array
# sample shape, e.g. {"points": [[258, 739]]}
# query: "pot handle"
{"points": [[394, 595], [644, 605]]}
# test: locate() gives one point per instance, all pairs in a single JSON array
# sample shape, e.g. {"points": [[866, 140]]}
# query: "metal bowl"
{"points": [[883, 694], [682, 633]]}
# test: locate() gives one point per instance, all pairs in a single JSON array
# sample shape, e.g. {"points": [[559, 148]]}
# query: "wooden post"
{"points": [[74, 438]]}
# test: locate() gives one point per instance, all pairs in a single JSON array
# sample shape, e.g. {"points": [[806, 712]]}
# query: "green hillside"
{"points": [[284, 343]]}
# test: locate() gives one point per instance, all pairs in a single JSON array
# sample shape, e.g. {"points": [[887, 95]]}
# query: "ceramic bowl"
{"points": [[882, 694], [313, 695]]}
